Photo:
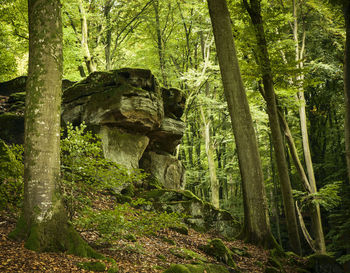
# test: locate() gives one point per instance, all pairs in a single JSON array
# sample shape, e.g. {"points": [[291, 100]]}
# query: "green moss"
{"points": [[130, 237], [161, 257], [177, 268], [92, 266], [217, 249], [180, 229], [153, 194], [21, 230], [129, 190], [202, 268], [167, 240], [55, 235], [187, 254]]}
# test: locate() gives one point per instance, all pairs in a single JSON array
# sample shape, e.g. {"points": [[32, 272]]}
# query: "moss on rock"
{"points": [[93, 266], [217, 249], [187, 254]]}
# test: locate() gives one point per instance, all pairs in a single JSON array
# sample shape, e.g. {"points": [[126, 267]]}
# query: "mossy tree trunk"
{"points": [[256, 221], [254, 10], [43, 224]]}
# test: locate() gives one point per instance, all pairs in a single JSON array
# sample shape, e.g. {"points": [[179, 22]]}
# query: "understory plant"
{"points": [[11, 176], [85, 171]]}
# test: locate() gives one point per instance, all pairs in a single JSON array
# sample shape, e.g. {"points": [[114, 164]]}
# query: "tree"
{"points": [[256, 222], [43, 223], [346, 10], [254, 10]]}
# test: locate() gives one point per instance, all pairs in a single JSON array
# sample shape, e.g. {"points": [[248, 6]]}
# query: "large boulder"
{"points": [[127, 98], [136, 119], [165, 168], [121, 147]]}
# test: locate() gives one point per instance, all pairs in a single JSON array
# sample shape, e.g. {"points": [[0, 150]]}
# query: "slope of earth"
{"points": [[148, 254]]}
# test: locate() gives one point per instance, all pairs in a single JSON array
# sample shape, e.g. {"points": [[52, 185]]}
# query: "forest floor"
{"points": [[147, 254]]}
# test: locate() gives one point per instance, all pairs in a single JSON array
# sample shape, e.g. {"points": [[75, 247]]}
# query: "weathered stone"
{"points": [[167, 169], [121, 147], [19, 85], [115, 98], [201, 215], [12, 128], [168, 136], [217, 249], [319, 263], [126, 107], [13, 86], [174, 102]]}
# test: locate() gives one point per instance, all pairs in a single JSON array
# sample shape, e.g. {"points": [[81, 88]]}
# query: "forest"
{"points": [[179, 136]]}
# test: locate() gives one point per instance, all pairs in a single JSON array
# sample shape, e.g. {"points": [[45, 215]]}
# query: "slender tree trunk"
{"points": [[108, 42], [346, 9], [256, 221], [275, 192], [209, 150], [254, 11], [320, 244], [84, 39], [159, 42]]}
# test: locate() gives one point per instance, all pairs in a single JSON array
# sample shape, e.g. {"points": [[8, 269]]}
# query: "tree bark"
{"points": [[256, 221], [254, 10], [320, 244], [84, 39], [209, 150], [159, 42], [346, 9], [43, 223]]}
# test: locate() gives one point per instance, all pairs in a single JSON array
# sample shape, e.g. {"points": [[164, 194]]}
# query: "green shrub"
{"points": [[84, 169], [123, 220], [11, 176]]}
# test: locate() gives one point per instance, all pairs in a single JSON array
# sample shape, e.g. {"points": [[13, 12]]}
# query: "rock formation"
{"points": [[138, 121]]}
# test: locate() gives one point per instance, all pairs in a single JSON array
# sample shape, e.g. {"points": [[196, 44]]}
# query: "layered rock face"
{"points": [[138, 121]]}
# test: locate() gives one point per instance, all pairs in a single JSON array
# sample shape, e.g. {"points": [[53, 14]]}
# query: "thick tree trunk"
{"points": [[254, 11], [43, 223], [346, 9], [256, 220]]}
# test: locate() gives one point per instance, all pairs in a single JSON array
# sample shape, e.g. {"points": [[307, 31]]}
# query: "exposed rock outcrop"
{"points": [[136, 118]]}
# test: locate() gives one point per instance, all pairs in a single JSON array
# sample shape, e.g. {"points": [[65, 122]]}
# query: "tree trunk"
{"points": [[320, 244], [160, 43], [346, 9], [43, 223], [254, 11], [209, 150], [256, 221], [84, 39], [108, 42]]}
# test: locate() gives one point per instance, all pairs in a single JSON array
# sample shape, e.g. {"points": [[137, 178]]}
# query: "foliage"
{"points": [[125, 219], [85, 170], [328, 196], [11, 176]]}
